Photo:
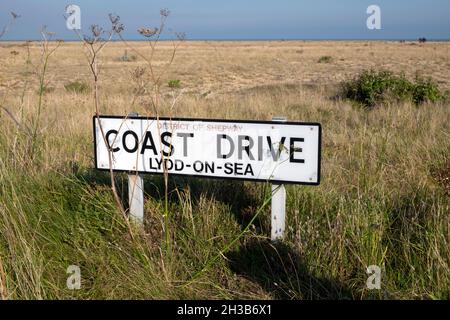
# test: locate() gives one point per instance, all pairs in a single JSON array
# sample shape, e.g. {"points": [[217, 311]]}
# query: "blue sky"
{"points": [[240, 19]]}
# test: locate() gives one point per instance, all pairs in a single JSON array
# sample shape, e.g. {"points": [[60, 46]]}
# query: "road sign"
{"points": [[283, 152]]}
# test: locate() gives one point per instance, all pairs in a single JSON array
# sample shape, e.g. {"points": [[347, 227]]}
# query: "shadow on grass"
{"points": [[274, 266], [243, 198], [282, 272]]}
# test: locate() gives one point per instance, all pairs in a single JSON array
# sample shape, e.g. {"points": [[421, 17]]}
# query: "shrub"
{"points": [[127, 58], [325, 59], [373, 87], [174, 83], [77, 87], [426, 90]]}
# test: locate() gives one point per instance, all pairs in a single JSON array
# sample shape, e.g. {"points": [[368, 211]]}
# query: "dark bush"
{"points": [[325, 59], [373, 87]]}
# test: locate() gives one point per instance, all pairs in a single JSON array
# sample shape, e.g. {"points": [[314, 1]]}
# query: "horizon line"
{"points": [[247, 39]]}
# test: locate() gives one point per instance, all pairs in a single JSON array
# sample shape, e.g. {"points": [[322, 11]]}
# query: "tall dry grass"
{"points": [[382, 201]]}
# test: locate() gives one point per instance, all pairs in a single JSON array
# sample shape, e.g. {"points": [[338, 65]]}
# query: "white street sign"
{"points": [[287, 152]]}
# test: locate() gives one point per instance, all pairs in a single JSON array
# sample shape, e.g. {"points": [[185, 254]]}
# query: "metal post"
{"points": [[136, 198], [136, 194], [278, 217]]}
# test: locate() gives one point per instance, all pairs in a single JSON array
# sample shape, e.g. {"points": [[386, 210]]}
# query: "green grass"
{"points": [[380, 203], [331, 237]]}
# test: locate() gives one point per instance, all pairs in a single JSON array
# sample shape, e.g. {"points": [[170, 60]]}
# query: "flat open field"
{"points": [[215, 67], [383, 200]]}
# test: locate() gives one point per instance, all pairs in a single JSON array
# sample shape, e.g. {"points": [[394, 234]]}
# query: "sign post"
{"points": [[136, 198], [278, 215], [136, 194]]}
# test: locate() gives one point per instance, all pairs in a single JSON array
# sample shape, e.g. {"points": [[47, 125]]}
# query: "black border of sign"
{"points": [[215, 120]]}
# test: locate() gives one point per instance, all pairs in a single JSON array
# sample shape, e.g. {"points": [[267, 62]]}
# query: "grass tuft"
{"points": [[325, 59], [174, 84], [77, 87]]}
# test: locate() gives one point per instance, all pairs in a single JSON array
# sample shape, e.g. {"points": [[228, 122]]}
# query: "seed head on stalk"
{"points": [[148, 32]]}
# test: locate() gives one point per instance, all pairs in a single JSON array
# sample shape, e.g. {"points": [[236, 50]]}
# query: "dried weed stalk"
{"points": [[148, 83], [94, 44], [5, 28]]}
